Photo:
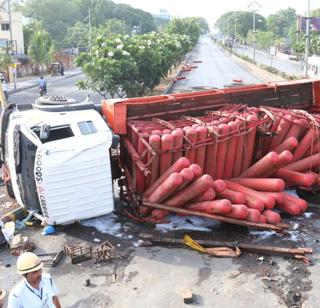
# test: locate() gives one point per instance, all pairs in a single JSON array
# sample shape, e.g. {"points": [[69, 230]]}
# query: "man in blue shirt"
{"points": [[42, 84]]}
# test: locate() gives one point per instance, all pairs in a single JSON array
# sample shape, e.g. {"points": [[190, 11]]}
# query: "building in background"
{"points": [[162, 14], [17, 44]]}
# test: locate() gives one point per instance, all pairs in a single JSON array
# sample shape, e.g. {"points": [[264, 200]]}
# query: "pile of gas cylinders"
{"points": [[235, 162]]}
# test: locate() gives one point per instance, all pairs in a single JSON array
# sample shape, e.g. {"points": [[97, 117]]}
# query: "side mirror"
{"points": [[44, 132]]}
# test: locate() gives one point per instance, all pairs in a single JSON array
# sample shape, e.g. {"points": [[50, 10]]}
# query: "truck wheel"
{"points": [[10, 190]]}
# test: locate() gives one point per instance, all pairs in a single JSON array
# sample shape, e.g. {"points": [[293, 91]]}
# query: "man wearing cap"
{"points": [[36, 289]]}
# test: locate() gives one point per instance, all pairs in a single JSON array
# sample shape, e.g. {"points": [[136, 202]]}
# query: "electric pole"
{"points": [[306, 51], [255, 6]]}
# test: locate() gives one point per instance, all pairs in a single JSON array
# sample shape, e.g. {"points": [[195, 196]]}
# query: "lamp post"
{"points": [[307, 45], [254, 6]]}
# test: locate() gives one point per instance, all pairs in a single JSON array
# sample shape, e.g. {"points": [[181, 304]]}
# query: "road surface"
{"points": [[63, 87], [216, 70]]}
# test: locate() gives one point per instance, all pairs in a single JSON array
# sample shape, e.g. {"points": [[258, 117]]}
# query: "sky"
{"points": [[213, 9]]}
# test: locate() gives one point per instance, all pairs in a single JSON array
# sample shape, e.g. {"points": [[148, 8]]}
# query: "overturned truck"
{"points": [[224, 154]]}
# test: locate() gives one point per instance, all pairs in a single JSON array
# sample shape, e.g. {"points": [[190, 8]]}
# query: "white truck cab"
{"points": [[56, 160]]}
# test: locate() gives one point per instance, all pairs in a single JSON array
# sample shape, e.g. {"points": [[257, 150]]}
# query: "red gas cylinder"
{"points": [[232, 195], [166, 155], [288, 144], [167, 188], [264, 184], [177, 144], [191, 135], [250, 141], [232, 150], [180, 164], [261, 166], [304, 144], [223, 130], [155, 143], [202, 133]]}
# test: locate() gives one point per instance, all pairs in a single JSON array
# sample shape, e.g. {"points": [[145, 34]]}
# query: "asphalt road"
{"points": [[65, 87], [216, 70]]}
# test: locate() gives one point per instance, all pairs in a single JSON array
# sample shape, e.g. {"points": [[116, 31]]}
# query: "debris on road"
{"points": [[103, 252], [53, 260], [187, 296], [78, 253], [221, 252], [150, 240], [21, 244]]}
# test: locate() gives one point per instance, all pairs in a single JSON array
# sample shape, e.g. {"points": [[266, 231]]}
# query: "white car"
{"points": [[56, 160]]}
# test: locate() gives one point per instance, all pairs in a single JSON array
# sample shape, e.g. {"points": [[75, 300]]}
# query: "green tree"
{"points": [[112, 27], [5, 61], [41, 48], [56, 16], [238, 24], [185, 26], [131, 66], [78, 35], [281, 22]]}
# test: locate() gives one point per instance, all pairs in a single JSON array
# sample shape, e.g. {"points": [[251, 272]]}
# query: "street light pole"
{"points": [[255, 6], [306, 53], [90, 39], [10, 25]]}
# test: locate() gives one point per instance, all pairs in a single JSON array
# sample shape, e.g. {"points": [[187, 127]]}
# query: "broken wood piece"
{"points": [[262, 226], [51, 259], [157, 240], [213, 251], [223, 252], [187, 296]]}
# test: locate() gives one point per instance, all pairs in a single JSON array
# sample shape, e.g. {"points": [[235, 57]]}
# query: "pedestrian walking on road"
{"points": [[5, 88], [61, 69], [36, 289]]}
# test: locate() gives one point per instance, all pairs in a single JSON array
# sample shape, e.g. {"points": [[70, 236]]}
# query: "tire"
{"points": [[10, 190]]}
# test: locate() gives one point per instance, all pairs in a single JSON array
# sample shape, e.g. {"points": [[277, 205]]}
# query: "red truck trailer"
{"points": [[247, 132]]}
